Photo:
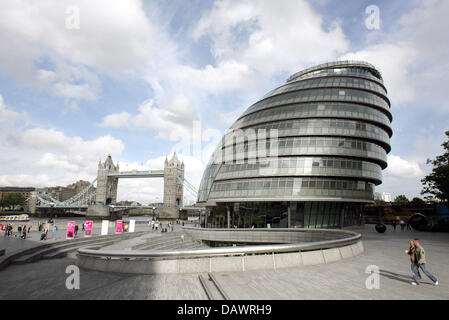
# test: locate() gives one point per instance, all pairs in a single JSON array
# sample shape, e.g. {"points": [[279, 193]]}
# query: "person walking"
{"points": [[411, 253], [24, 236], [402, 224], [393, 223], [76, 230], [420, 263]]}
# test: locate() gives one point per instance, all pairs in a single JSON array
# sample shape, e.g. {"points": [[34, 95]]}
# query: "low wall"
{"points": [[273, 235], [228, 259], [241, 263]]}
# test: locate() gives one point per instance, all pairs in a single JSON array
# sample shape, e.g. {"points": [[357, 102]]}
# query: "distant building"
{"points": [[24, 191], [63, 193], [384, 196]]}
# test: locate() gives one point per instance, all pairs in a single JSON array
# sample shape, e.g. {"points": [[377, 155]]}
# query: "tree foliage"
{"points": [[417, 202], [437, 182], [401, 199], [12, 199]]}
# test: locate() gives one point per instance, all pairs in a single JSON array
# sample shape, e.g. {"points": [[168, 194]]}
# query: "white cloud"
{"points": [[253, 41], [7, 115], [172, 120], [48, 157], [38, 138], [395, 71], [116, 120], [402, 168], [227, 75], [42, 52], [413, 57]]}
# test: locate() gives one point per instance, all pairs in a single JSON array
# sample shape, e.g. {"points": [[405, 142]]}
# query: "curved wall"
{"points": [[322, 136]]}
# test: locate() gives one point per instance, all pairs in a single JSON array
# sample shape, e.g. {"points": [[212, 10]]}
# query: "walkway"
{"points": [[341, 280]]}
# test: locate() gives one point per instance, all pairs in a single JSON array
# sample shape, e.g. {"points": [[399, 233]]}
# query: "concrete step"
{"points": [[69, 244], [155, 242], [14, 255], [176, 245], [63, 252], [36, 255], [168, 243]]}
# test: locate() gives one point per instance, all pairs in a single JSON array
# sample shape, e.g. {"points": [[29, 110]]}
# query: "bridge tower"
{"points": [[173, 188], [106, 193]]}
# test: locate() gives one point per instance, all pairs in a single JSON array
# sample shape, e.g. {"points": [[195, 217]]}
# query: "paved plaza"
{"points": [[341, 280]]}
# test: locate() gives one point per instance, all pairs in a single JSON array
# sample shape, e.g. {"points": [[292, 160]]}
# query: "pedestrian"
{"points": [[408, 225], [393, 223], [420, 263], [182, 237], [402, 224], [82, 226], [19, 231], [29, 228], [411, 253], [76, 230], [24, 236]]}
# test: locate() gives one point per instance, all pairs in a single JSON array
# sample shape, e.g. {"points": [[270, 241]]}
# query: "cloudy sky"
{"points": [[138, 79]]}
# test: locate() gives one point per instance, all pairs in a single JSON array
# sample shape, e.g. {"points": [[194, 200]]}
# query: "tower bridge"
{"points": [[101, 200]]}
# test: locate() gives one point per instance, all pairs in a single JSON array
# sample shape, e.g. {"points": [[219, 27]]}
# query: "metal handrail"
{"points": [[242, 250]]}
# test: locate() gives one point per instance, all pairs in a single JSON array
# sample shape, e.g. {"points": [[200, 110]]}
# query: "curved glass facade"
{"points": [[308, 154]]}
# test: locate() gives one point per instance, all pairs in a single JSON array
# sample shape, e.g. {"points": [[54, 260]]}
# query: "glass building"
{"points": [[307, 154]]}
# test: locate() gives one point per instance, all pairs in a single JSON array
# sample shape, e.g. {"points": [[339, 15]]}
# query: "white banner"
{"points": [[104, 227], [132, 225]]}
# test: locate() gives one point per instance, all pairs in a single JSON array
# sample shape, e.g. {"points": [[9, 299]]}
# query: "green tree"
{"points": [[437, 182], [417, 202], [401, 199], [13, 199]]}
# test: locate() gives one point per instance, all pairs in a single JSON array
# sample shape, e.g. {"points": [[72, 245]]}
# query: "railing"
{"points": [[347, 238]]}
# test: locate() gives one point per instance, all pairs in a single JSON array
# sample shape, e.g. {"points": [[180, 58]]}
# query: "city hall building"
{"points": [[308, 154]]}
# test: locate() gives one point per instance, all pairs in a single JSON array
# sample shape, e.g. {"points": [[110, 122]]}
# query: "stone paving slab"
{"points": [[343, 279]]}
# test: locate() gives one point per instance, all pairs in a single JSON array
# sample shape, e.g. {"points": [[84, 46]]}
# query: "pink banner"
{"points": [[119, 226], [88, 228], [70, 230]]}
